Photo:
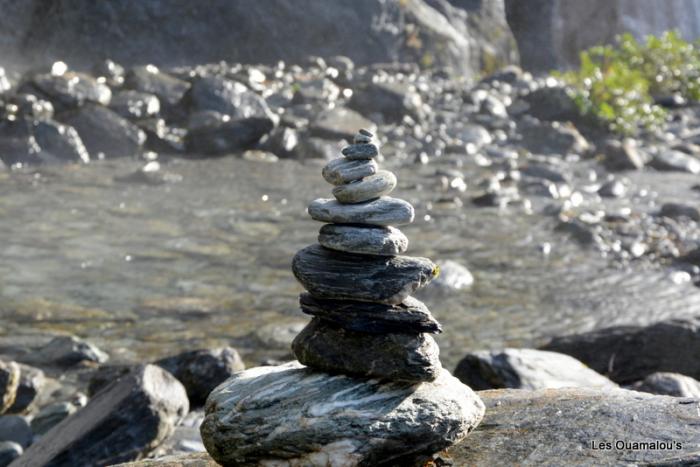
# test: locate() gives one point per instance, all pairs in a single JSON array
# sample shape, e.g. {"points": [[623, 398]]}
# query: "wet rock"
{"points": [[70, 351], [342, 170], [630, 353], [392, 101], [110, 71], [672, 160], [30, 107], [17, 143], [384, 211], [149, 79], [336, 275], [384, 241], [16, 428], [60, 142], [31, 382], [395, 357], [315, 90], [297, 416], [9, 381], [9, 451], [492, 106], [453, 276], [51, 415], [408, 317], [474, 134], [200, 371], [123, 422], [668, 384], [206, 118], [678, 210], [541, 171], [576, 422], [613, 189], [135, 104], [553, 138], [624, 155], [226, 97], [526, 369], [105, 133], [338, 123], [380, 184], [68, 90], [228, 137]]}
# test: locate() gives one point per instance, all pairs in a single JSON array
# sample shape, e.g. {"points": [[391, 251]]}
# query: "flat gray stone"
{"points": [[410, 316], [554, 427], [9, 381], [380, 184], [361, 151], [346, 276], [343, 170], [123, 422], [383, 211], [526, 369], [338, 123], [395, 357], [289, 415], [668, 384], [369, 240]]}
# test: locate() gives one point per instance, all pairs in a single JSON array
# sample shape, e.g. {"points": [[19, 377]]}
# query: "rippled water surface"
{"points": [[203, 259]]}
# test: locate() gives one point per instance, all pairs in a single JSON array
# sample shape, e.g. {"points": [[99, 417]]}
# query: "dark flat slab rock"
{"points": [[410, 316], [362, 239], [289, 415], [383, 211], [394, 357], [385, 279], [555, 427], [630, 353]]}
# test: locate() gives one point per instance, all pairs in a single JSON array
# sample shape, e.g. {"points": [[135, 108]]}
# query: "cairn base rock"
{"points": [[289, 415], [396, 357]]}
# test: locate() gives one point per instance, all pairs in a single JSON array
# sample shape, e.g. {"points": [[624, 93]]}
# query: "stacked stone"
{"points": [[359, 284]]}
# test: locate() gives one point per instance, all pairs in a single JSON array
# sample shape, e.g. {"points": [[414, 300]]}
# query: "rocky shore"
{"points": [[508, 145]]}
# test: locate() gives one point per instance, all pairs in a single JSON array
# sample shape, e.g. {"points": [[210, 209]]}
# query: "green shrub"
{"points": [[616, 84]]}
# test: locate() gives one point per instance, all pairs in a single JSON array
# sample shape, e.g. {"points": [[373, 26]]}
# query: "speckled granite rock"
{"points": [[395, 357], [370, 240], [332, 274], [289, 415], [554, 427], [410, 316]]}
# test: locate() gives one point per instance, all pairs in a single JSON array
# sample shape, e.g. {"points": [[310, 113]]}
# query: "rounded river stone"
{"points": [[380, 184], [369, 240], [410, 316], [395, 357], [343, 170], [382, 211], [361, 151], [291, 415], [347, 276]]}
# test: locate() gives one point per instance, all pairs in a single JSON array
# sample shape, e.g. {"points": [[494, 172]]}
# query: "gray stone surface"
{"points": [[410, 316], [228, 137], [370, 240], [338, 123], [361, 151], [392, 101], [68, 351], [394, 357], [380, 184], [16, 428], [59, 142], [68, 90], [630, 353], [135, 104], [125, 421], [9, 451], [9, 381], [151, 80], [554, 427], [668, 384], [453, 275], [383, 211], [214, 93], [296, 416], [333, 274], [202, 370], [104, 133], [672, 160], [526, 369], [342, 170]]}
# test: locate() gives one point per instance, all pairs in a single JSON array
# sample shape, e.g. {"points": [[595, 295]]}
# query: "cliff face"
{"points": [[551, 33], [467, 35]]}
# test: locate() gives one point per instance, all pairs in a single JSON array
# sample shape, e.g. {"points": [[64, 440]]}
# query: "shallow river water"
{"points": [[145, 270]]}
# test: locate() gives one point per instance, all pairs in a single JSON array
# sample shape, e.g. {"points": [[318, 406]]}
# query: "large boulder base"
{"points": [[295, 416]]}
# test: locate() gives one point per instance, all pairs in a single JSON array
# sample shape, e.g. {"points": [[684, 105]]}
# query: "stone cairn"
{"points": [[368, 388], [365, 321]]}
